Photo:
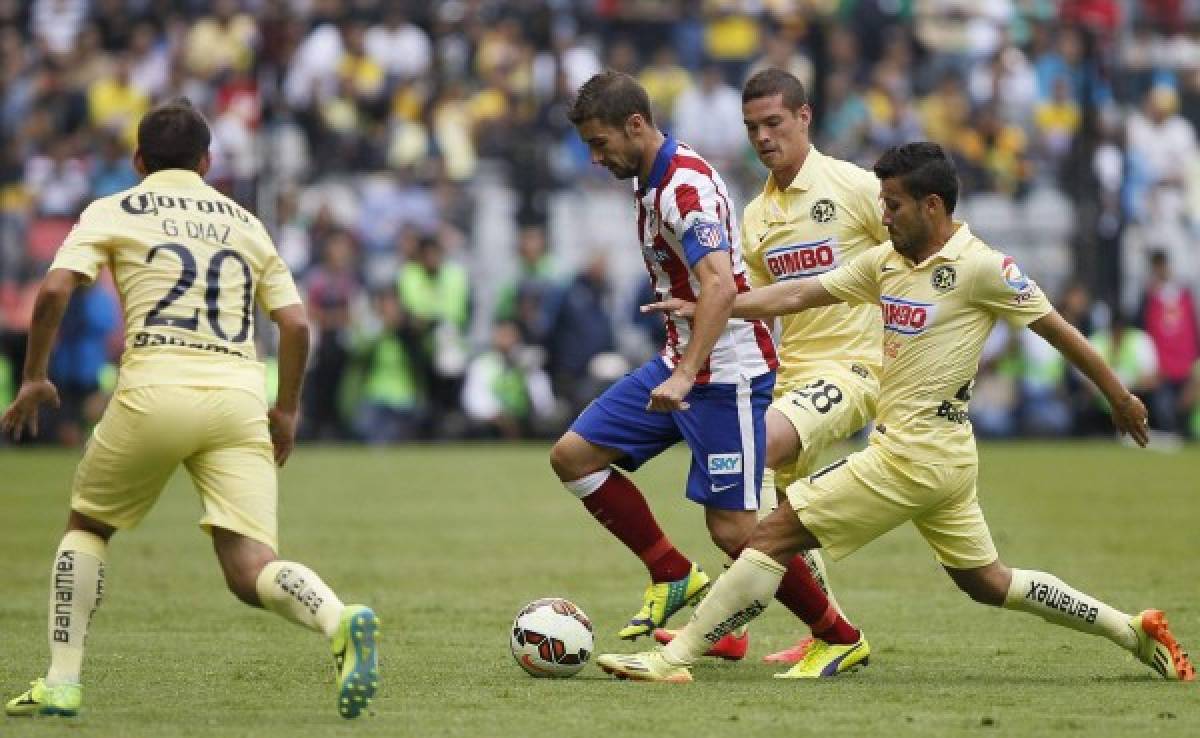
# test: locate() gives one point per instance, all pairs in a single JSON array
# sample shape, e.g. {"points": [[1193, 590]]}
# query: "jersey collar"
{"points": [[953, 248], [804, 179], [661, 161], [174, 178]]}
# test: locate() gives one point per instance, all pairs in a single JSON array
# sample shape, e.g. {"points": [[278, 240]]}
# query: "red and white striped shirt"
{"points": [[683, 214]]}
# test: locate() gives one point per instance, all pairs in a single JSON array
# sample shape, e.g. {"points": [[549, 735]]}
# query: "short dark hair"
{"points": [[771, 82], [923, 169], [610, 97], [173, 136]]}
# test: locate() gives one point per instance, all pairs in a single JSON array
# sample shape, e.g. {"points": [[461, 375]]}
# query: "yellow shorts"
{"points": [[852, 502], [828, 403], [219, 435]]}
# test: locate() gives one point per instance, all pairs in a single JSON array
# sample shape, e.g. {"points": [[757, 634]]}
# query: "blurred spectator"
{"points": [[581, 329], [1168, 315], [115, 104], [383, 381], [504, 395], [665, 80], [401, 48], [1130, 352], [58, 181], [112, 169], [731, 39], [783, 51], [79, 356], [1056, 121], [57, 22], [708, 117], [992, 154], [222, 42], [332, 289], [524, 298], [436, 293]]}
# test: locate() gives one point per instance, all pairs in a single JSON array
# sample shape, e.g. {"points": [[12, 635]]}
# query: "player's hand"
{"points": [[1129, 415], [668, 396], [283, 433], [23, 412], [672, 306]]}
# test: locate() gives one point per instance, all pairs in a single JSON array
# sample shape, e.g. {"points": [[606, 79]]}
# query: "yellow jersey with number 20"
{"points": [[936, 317], [189, 265]]}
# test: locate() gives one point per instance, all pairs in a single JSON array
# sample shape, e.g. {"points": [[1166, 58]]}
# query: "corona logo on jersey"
{"points": [[905, 316], [802, 259]]}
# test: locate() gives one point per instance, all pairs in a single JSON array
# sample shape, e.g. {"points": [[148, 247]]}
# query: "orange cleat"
{"points": [[731, 647], [1158, 649], [792, 655]]}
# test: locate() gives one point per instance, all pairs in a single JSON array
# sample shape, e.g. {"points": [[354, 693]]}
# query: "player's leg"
{"points": [[129, 458], [236, 479], [830, 403], [617, 429], [960, 537], [737, 597]]}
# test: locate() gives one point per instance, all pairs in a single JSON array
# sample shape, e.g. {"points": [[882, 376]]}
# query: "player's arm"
{"points": [[781, 298], [48, 309], [292, 321], [1129, 415], [711, 312]]}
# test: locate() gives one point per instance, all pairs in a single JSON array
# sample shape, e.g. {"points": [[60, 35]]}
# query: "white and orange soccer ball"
{"points": [[552, 637]]}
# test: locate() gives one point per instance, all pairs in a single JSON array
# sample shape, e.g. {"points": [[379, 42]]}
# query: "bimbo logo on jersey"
{"points": [[148, 203], [802, 259], [905, 316]]}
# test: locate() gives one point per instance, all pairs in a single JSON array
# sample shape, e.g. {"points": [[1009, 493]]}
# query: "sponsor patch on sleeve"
{"points": [[708, 235]]}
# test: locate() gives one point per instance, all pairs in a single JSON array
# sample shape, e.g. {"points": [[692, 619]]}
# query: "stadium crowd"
{"points": [[415, 166]]}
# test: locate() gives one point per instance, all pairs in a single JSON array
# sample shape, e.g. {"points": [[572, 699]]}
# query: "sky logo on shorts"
{"points": [[724, 463], [802, 259], [908, 317]]}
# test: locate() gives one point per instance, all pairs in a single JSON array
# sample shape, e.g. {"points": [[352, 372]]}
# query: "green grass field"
{"points": [[448, 542]]}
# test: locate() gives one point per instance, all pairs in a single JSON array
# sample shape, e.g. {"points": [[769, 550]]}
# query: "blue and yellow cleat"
{"points": [[356, 655], [1158, 649], [648, 666], [41, 699], [824, 660], [663, 600]]}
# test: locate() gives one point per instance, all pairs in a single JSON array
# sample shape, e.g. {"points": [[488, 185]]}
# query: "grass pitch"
{"points": [[448, 542]]}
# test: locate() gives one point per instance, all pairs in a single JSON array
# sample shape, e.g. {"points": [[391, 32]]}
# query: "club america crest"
{"points": [[823, 210]]}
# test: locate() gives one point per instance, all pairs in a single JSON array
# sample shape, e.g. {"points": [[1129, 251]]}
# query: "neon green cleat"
{"points": [[1158, 649], [40, 699], [829, 659], [357, 659], [648, 666], [663, 600]]}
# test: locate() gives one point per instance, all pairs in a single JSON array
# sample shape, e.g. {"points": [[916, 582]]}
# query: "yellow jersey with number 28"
{"points": [[190, 265]]}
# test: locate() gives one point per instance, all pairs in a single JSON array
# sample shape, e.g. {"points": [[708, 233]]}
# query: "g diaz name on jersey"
{"points": [[150, 203]]}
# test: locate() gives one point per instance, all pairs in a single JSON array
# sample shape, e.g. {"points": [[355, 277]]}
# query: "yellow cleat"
{"points": [[663, 600], [40, 699], [648, 666], [829, 659], [356, 656], [1158, 649]]}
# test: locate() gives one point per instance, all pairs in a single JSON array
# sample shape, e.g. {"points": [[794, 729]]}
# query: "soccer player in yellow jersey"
{"points": [[813, 214], [940, 290], [190, 266]]}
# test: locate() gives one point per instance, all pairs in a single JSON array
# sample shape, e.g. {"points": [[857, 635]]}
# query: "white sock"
{"points": [[296, 593], [738, 596], [1047, 596], [816, 564], [76, 589]]}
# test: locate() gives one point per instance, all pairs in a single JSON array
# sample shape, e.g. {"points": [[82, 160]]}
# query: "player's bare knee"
{"points": [[783, 443], [730, 538], [79, 521], [565, 460], [987, 585]]}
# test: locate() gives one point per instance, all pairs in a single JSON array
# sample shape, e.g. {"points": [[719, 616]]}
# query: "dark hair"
{"points": [[772, 82], [923, 169], [610, 97], [173, 136]]}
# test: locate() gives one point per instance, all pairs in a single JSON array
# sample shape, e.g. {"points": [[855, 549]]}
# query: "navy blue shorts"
{"points": [[725, 427]]}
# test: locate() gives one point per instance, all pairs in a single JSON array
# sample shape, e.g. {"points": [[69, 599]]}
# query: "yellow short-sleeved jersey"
{"points": [[189, 264], [936, 317], [829, 214]]}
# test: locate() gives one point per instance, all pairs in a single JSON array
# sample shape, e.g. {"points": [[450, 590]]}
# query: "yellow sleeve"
{"points": [[870, 208], [999, 286], [856, 281], [276, 289], [85, 248]]}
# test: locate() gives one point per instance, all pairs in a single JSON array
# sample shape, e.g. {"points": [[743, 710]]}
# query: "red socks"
{"points": [[620, 506], [801, 594]]}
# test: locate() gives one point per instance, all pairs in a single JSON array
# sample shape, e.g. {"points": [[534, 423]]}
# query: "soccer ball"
{"points": [[551, 637]]}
